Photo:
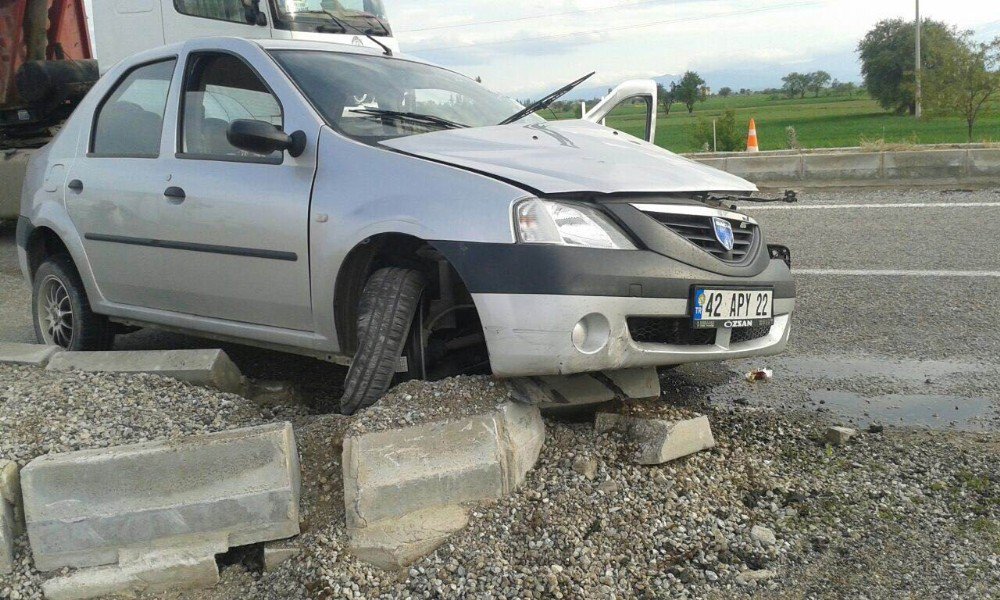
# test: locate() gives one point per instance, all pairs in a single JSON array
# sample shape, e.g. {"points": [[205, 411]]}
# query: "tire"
{"points": [[385, 313], [61, 311]]}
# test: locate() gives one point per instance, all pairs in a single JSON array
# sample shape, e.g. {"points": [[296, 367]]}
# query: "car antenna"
{"points": [[365, 32]]}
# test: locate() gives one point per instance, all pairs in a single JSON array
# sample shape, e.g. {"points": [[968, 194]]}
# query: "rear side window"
{"points": [[220, 88], [235, 11], [129, 122]]}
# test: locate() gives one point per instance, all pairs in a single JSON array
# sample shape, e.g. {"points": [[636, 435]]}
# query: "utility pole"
{"points": [[917, 110]]}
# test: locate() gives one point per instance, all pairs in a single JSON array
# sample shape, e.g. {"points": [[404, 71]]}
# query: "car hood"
{"points": [[569, 156]]}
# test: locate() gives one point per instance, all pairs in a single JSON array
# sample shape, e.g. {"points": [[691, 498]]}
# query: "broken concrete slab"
{"points": [[389, 474], [273, 393], [553, 391], [275, 555], [37, 355], [10, 517], [838, 436], [211, 368], [636, 383], [397, 543], [6, 538], [586, 466], [83, 508], [660, 441], [188, 565]]}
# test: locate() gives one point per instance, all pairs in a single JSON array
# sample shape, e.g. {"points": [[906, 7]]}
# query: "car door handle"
{"points": [[175, 194], [76, 185]]}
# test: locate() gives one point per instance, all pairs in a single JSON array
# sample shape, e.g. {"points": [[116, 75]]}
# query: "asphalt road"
{"points": [[897, 319]]}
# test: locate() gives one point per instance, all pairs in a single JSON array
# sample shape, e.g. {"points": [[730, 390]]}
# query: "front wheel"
{"points": [[385, 313], [61, 311]]}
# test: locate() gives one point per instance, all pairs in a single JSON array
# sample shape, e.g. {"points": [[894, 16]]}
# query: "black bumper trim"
{"points": [[489, 268]]}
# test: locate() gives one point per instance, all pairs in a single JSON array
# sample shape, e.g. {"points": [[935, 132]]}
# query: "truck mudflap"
{"points": [[13, 167]]}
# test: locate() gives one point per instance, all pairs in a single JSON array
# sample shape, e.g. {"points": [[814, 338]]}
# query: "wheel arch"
{"points": [[386, 249]]}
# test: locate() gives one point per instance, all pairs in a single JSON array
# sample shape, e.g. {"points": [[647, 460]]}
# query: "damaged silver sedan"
{"points": [[378, 211]]}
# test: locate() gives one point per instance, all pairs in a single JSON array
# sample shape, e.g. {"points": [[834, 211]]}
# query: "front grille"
{"points": [[677, 331], [669, 330], [698, 230], [748, 334]]}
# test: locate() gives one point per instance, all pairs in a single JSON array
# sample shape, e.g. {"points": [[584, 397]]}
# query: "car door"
{"points": [[188, 19], [638, 92], [233, 224], [114, 186]]}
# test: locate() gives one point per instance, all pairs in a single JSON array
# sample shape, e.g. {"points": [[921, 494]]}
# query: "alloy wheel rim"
{"points": [[55, 313]]}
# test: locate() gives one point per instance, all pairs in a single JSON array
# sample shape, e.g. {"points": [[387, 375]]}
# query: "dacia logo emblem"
{"points": [[356, 41], [724, 233]]}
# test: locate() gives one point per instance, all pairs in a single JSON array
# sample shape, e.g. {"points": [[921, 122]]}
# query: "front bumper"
{"points": [[532, 334]]}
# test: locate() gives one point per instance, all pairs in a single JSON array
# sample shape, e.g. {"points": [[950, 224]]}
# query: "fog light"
{"points": [[591, 333]]}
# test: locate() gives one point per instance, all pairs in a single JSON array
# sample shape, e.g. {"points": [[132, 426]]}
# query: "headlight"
{"points": [[546, 222]]}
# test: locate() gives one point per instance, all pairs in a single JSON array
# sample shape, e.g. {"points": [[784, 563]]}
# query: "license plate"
{"points": [[732, 308]]}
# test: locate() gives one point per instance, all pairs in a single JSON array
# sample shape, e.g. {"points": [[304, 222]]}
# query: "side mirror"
{"points": [[260, 137], [261, 20]]}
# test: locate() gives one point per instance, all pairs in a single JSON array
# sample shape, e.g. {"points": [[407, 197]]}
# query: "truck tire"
{"points": [[385, 313], [61, 311]]}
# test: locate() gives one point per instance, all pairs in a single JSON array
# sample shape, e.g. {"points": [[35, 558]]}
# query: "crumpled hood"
{"points": [[569, 156]]}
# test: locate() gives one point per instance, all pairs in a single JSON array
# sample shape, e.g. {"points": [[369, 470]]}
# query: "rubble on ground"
{"points": [[893, 513]]}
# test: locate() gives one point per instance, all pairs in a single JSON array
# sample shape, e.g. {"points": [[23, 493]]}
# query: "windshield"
{"points": [[356, 16], [351, 90]]}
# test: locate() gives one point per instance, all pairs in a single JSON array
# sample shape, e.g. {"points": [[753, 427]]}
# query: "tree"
{"points": [[689, 90], [725, 92], [887, 59], [817, 81], [964, 80], [666, 97], [728, 134], [795, 84]]}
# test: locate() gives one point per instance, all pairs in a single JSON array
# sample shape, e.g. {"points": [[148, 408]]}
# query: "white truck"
{"points": [[53, 64]]}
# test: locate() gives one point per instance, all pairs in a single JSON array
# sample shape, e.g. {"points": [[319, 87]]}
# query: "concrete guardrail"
{"points": [[854, 167]]}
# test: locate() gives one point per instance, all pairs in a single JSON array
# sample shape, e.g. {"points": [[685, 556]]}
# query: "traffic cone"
{"points": [[752, 138]]}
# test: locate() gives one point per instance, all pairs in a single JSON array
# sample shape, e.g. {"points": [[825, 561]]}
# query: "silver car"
{"points": [[370, 210]]}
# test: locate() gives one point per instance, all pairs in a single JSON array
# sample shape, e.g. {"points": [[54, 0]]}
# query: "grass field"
{"points": [[824, 122]]}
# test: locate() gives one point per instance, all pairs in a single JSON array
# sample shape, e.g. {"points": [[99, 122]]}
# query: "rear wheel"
{"points": [[386, 309], [61, 310]]}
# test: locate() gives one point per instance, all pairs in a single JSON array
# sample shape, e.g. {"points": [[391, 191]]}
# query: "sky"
{"points": [[524, 49], [735, 43]]}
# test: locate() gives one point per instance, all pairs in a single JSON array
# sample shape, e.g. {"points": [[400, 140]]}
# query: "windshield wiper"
{"points": [[546, 101], [344, 25], [409, 116]]}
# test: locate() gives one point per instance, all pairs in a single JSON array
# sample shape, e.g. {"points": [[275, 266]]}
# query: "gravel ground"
{"points": [[899, 513]]}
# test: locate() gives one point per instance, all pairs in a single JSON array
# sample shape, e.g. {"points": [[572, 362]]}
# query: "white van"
{"points": [[125, 27]]}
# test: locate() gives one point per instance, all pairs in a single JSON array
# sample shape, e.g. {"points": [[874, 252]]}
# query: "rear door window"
{"points": [[129, 122]]}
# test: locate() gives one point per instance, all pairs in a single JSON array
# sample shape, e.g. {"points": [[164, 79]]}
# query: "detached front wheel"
{"points": [[388, 304], [61, 311]]}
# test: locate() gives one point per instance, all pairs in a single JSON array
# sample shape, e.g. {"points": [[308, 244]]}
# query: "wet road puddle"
{"points": [[843, 368], [927, 410]]}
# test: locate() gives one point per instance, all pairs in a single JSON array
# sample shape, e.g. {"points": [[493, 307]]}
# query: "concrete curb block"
{"points": [[36, 355], [389, 474], [211, 368], [660, 441], [84, 508]]}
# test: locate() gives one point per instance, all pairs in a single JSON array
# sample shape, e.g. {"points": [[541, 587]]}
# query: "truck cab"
{"points": [[357, 22]]}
